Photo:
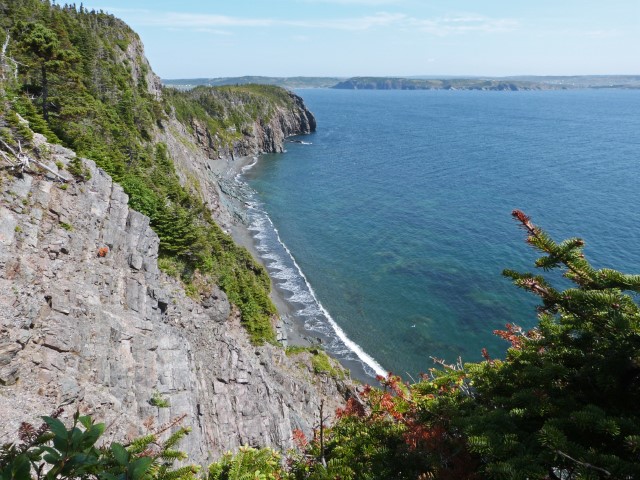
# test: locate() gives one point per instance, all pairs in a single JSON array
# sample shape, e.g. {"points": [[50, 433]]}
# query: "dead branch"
{"points": [[322, 459], [3, 55], [6, 157], [3, 59], [176, 421], [584, 464], [9, 147], [25, 161]]}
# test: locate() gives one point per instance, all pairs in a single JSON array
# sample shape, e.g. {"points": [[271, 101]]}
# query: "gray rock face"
{"points": [[270, 136], [140, 69], [199, 156], [105, 333]]}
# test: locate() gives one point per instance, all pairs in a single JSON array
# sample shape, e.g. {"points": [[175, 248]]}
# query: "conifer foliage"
{"points": [[563, 405], [566, 397], [53, 451], [81, 81]]}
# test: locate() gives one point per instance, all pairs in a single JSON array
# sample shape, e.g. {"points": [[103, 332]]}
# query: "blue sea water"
{"points": [[397, 212]]}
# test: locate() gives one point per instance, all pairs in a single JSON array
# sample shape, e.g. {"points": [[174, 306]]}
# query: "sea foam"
{"points": [[289, 278]]}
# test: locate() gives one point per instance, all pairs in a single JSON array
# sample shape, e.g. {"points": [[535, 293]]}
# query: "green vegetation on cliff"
{"points": [[227, 112], [82, 80]]}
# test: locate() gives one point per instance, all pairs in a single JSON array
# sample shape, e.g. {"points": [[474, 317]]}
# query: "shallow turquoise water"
{"points": [[398, 212]]}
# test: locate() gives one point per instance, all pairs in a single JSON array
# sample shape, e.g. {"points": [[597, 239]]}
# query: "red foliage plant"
{"points": [[299, 439], [102, 251], [401, 405], [353, 409], [513, 334], [516, 335]]}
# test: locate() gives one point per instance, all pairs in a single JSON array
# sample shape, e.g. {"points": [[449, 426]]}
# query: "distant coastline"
{"points": [[423, 83], [285, 82]]}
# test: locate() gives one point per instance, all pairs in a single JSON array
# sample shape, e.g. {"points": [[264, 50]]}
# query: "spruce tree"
{"points": [[42, 44], [568, 392], [563, 404]]}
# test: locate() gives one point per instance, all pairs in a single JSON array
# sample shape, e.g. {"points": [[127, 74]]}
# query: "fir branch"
{"points": [[176, 421], [557, 253]]}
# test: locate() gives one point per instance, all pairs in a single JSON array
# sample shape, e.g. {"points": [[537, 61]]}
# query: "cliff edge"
{"points": [[87, 320]]}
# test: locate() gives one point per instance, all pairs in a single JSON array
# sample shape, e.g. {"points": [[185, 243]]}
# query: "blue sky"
{"points": [[187, 38]]}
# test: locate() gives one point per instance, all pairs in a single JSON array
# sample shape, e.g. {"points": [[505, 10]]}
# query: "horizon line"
{"points": [[416, 76]]}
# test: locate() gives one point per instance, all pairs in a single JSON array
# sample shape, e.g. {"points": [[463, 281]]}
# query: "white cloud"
{"points": [[580, 33], [194, 20], [213, 31], [464, 24], [442, 26], [603, 33], [359, 23]]}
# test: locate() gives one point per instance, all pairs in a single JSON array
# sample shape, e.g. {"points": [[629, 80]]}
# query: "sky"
{"points": [[344, 38]]}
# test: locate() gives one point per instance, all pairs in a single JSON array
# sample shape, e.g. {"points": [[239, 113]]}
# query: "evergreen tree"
{"points": [[42, 44], [567, 395], [562, 405]]}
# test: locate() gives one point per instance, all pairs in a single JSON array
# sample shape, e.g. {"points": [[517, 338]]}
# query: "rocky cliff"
{"points": [[200, 155], [88, 321]]}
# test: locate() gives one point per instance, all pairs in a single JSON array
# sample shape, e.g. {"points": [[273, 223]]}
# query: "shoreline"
{"points": [[289, 330]]}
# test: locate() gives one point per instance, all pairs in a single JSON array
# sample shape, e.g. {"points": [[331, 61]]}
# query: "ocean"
{"points": [[388, 229]]}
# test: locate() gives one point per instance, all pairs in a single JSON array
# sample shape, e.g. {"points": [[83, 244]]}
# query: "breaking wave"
{"points": [[298, 292]]}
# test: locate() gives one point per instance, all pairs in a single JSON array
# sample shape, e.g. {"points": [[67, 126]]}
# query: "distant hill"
{"points": [[388, 83], [286, 82], [497, 83], [525, 82], [585, 81]]}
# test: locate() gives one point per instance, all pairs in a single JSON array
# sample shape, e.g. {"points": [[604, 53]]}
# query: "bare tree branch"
{"points": [[25, 161], [6, 157], [4, 59], [3, 55], [584, 464], [322, 459], [9, 147]]}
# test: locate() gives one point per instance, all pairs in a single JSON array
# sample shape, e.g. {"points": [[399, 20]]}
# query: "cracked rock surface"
{"points": [[106, 333]]}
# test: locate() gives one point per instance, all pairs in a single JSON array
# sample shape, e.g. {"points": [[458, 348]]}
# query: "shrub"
{"points": [[563, 404], [54, 451], [249, 463], [78, 170], [157, 400]]}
